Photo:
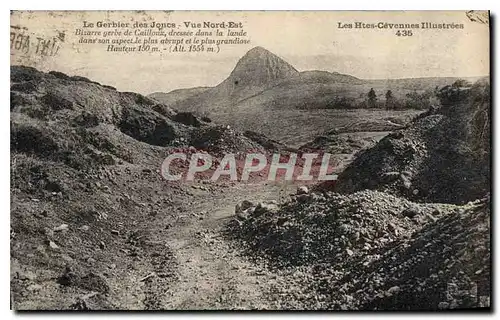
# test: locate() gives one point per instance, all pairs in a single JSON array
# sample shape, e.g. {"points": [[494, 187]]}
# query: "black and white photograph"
{"points": [[250, 161]]}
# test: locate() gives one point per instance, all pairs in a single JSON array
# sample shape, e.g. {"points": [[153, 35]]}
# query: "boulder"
{"points": [[245, 214], [302, 190], [245, 204], [264, 207]]}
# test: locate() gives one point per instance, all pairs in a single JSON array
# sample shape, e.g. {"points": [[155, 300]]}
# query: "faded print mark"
{"points": [[478, 16], [27, 46]]}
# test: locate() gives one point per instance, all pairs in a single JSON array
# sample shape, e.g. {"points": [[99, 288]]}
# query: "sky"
{"points": [[307, 40]]}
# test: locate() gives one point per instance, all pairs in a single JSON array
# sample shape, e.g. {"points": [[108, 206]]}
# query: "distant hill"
{"points": [[263, 83], [172, 97], [261, 80], [424, 83], [309, 89], [318, 76]]}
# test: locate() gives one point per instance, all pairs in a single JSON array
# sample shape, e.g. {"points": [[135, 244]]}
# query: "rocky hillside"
{"points": [[444, 156], [410, 229], [89, 209], [79, 122], [370, 250], [95, 226]]}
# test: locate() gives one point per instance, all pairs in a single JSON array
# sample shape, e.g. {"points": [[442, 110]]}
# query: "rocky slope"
{"points": [[369, 251], [443, 157], [90, 212], [410, 229]]}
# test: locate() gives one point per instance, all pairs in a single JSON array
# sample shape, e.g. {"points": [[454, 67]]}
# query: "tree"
{"points": [[419, 101], [389, 100], [372, 99]]}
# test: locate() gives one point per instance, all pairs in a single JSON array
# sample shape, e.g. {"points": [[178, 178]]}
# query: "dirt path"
{"points": [[211, 275]]}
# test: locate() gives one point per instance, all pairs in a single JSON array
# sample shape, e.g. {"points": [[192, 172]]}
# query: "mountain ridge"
{"points": [[263, 91], [258, 71]]}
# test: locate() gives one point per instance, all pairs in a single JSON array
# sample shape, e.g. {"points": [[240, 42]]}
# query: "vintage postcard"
{"points": [[250, 160]]}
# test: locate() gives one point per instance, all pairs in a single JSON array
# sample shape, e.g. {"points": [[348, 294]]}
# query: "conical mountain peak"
{"points": [[259, 51], [260, 67]]}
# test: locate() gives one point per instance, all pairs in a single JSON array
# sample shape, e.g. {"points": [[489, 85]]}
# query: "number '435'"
{"points": [[404, 33]]}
